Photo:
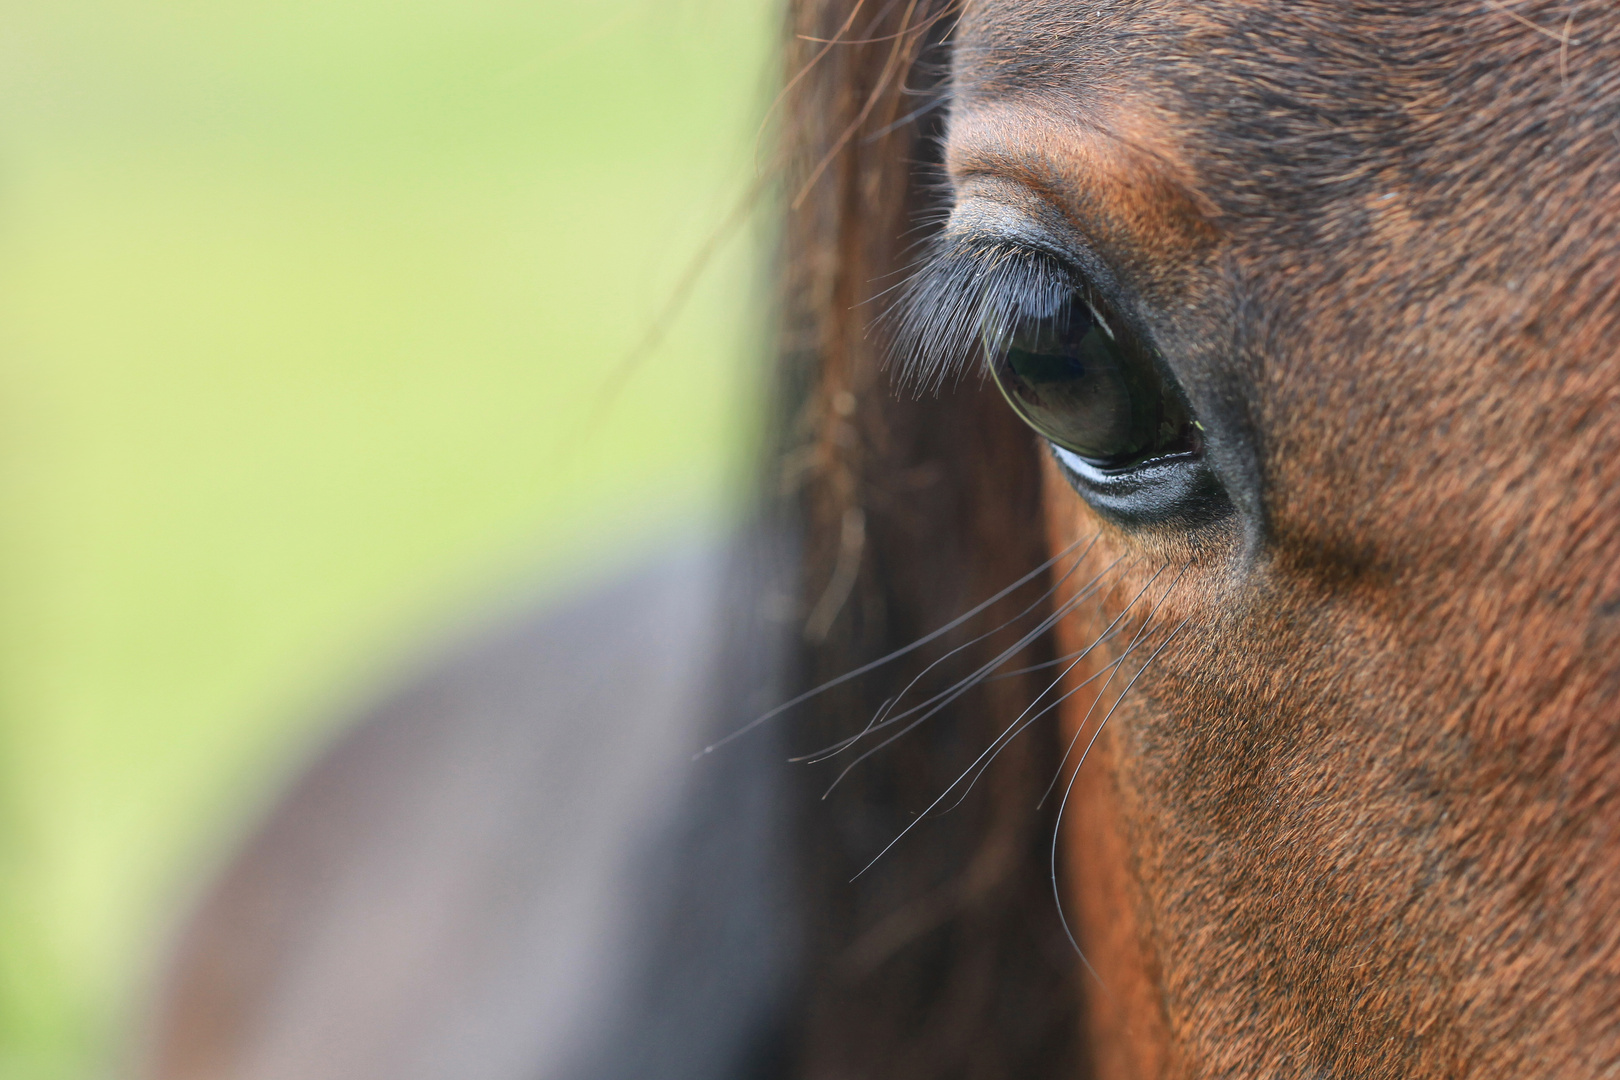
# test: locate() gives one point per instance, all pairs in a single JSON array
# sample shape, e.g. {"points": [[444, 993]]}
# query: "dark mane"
{"points": [[947, 959]]}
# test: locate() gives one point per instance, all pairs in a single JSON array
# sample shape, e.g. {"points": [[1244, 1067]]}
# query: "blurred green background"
{"points": [[305, 310]]}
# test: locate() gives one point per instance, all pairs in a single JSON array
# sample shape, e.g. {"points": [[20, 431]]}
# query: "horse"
{"points": [[1206, 661]]}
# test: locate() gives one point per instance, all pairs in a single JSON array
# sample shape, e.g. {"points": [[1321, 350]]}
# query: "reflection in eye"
{"points": [[1082, 381]]}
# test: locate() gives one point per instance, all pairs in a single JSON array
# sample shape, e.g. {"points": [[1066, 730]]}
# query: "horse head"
{"points": [[1313, 307]]}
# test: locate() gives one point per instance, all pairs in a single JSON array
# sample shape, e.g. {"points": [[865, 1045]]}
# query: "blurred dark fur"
{"points": [[947, 959]]}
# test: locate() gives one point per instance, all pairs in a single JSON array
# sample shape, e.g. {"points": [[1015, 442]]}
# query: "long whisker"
{"points": [[943, 699], [1057, 831], [1042, 666], [942, 795], [1006, 738], [1081, 727], [1016, 618], [933, 705], [1018, 726], [967, 681], [885, 718], [889, 705], [890, 657], [976, 769]]}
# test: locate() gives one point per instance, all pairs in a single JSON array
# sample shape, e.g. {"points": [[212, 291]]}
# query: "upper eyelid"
{"points": [[1031, 219], [992, 221], [980, 252], [1054, 275], [1093, 278]]}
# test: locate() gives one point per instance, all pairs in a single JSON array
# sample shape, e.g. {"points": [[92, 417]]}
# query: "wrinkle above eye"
{"points": [[1010, 213], [1115, 182]]}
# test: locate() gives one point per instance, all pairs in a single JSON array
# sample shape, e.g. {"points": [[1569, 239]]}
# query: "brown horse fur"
{"points": [[1357, 819]]}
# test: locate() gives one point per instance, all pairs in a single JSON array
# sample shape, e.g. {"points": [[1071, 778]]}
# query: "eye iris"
{"points": [[1086, 386]]}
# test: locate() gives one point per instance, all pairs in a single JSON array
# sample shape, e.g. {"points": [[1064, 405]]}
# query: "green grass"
{"points": [[304, 310]]}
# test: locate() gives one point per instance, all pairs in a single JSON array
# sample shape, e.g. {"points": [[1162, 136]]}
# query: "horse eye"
{"points": [[1083, 382]]}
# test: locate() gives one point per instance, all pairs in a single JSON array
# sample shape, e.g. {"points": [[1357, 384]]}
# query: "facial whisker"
{"points": [[942, 795], [946, 697], [973, 678], [933, 706], [890, 657], [1042, 666], [879, 716], [1022, 724], [950, 693], [1081, 727], [1057, 831]]}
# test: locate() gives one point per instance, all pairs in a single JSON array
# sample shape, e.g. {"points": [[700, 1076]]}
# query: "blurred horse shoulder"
{"points": [[513, 868]]}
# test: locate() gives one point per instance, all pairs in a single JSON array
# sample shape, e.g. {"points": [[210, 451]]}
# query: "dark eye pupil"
{"points": [[1087, 386]]}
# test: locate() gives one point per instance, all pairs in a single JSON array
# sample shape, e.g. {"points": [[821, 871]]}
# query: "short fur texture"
{"points": [[1357, 818]]}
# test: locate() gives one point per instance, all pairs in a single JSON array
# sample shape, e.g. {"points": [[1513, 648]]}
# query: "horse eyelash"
{"points": [[964, 288]]}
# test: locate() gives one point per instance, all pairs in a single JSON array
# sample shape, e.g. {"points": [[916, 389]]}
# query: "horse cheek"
{"points": [[1125, 1022]]}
